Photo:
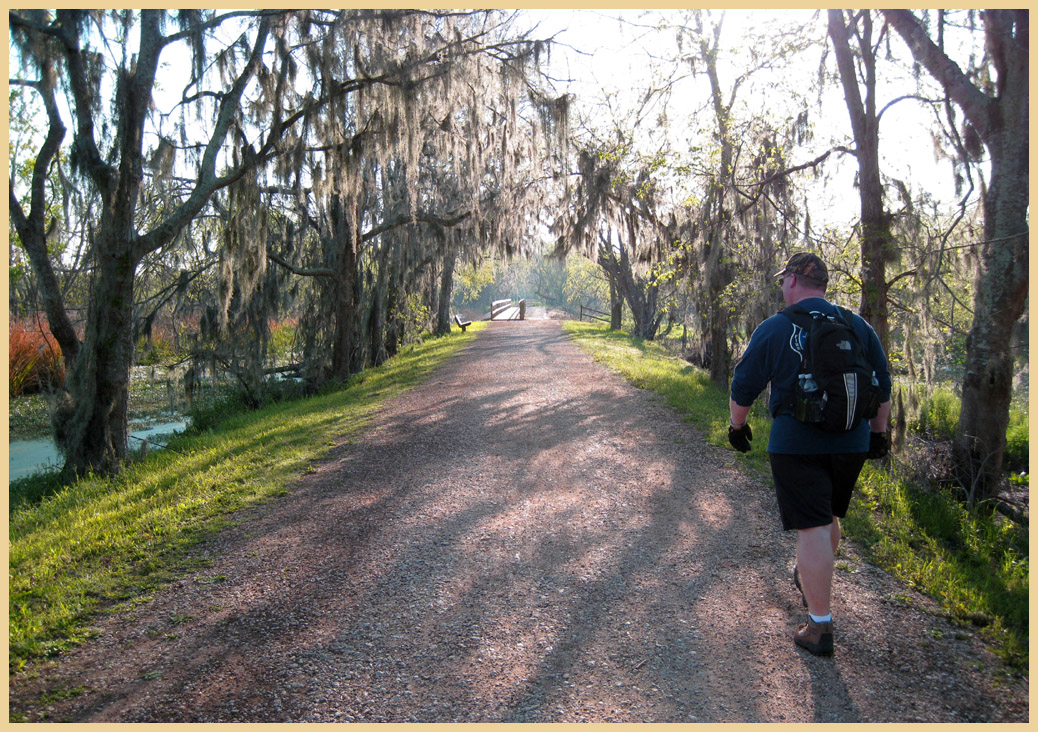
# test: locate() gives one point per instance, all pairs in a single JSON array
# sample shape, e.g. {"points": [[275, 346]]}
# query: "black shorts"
{"points": [[811, 489]]}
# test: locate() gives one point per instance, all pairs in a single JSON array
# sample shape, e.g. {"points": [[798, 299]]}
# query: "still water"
{"points": [[28, 456]]}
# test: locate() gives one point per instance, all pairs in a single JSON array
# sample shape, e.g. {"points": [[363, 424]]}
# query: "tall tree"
{"points": [[995, 104], [241, 102], [746, 202], [858, 75], [109, 155], [716, 219], [613, 216], [435, 164], [349, 90]]}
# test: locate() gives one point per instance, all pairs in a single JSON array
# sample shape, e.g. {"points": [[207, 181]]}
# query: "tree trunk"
{"points": [[377, 328], [92, 433], [393, 329], [345, 294], [95, 435], [616, 306], [717, 275], [377, 323], [876, 239], [717, 270], [641, 295], [1000, 300], [718, 278], [1001, 289], [443, 309]]}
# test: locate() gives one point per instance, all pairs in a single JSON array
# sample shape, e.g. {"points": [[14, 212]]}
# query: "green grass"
{"points": [[99, 543], [975, 564]]}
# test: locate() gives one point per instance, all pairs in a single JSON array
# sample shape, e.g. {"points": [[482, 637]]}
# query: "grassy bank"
{"points": [[974, 564], [103, 542]]}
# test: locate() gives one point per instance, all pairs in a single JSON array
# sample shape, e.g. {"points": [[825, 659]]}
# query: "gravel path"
{"points": [[523, 538]]}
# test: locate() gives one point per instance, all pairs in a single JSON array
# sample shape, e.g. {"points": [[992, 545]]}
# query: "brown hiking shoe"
{"points": [[815, 637]]}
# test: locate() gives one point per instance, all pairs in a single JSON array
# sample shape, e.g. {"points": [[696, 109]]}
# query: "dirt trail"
{"points": [[525, 537]]}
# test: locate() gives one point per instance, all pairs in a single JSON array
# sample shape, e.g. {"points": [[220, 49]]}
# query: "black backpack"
{"points": [[837, 386]]}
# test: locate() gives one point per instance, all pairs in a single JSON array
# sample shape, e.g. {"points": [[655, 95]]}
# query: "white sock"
{"points": [[821, 618]]}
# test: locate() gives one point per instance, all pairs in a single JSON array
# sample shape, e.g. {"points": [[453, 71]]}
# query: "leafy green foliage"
{"points": [[413, 314], [213, 406], [472, 281], [1018, 444], [157, 351], [282, 340], [585, 285], [938, 415]]}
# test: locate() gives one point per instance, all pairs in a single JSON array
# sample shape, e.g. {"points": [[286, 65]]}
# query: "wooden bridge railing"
{"points": [[500, 306]]}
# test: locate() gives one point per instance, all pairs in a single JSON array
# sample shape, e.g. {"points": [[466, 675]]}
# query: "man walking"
{"points": [[814, 469]]}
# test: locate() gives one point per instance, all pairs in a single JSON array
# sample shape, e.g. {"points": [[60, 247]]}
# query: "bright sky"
{"points": [[603, 55], [616, 58]]}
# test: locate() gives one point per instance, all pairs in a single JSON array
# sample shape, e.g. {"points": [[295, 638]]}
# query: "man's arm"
{"points": [[879, 423], [739, 413], [750, 376]]}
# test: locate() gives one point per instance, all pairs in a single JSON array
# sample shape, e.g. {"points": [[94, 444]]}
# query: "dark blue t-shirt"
{"points": [[773, 355]]}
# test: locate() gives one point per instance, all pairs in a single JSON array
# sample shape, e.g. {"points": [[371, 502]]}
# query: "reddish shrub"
{"points": [[35, 360]]}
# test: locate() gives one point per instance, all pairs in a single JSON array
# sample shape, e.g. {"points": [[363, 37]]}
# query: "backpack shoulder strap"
{"points": [[845, 315], [848, 318], [798, 315]]}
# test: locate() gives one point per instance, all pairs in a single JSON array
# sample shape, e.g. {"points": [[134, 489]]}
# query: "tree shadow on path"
{"points": [[524, 537]]}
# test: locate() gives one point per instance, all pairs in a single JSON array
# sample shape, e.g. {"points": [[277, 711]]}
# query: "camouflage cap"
{"points": [[806, 264]]}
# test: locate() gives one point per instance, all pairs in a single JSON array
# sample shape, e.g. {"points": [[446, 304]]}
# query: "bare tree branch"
{"points": [[976, 105]]}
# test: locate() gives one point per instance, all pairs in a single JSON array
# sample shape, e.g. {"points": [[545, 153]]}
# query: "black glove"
{"points": [[879, 448], [740, 437]]}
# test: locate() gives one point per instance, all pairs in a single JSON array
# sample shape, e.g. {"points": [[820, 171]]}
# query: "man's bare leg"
{"points": [[815, 551]]}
